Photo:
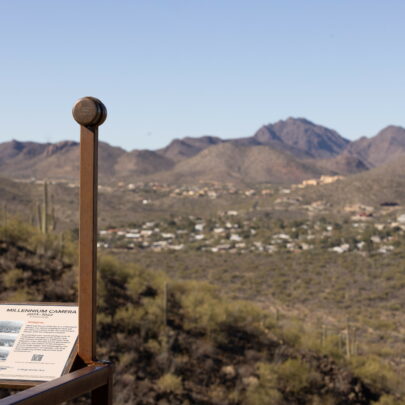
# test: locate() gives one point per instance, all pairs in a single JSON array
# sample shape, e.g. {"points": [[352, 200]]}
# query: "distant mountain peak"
{"points": [[180, 149], [300, 120], [16, 145], [302, 137], [381, 148], [392, 127], [392, 132], [60, 146]]}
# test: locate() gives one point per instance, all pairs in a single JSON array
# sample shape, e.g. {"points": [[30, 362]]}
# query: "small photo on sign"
{"points": [[10, 326], [37, 357], [4, 354], [8, 339]]}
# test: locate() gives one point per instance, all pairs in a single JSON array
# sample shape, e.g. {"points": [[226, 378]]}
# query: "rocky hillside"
{"points": [[178, 342], [230, 163], [24, 160], [14, 197], [180, 149], [380, 185]]}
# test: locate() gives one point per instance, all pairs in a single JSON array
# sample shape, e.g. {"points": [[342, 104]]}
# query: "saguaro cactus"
{"points": [[44, 225], [5, 213], [46, 217]]}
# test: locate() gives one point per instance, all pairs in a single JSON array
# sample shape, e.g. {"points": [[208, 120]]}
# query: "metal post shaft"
{"points": [[89, 112]]}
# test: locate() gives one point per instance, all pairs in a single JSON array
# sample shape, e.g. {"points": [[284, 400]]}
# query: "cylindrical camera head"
{"points": [[89, 111]]}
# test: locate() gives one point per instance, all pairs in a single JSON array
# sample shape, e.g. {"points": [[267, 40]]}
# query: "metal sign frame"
{"points": [[25, 383], [90, 375]]}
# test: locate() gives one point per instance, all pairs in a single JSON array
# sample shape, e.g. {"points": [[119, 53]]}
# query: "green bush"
{"points": [[16, 231], [170, 383], [293, 375], [113, 277], [261, 395], [375, 371], [201, 309], [389, 400]]}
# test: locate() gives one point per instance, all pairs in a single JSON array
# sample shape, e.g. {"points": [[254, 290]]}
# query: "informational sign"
{"points": [[37, 342]]}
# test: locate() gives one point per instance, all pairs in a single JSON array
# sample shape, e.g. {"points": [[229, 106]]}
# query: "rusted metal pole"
{"points": [[89, 112]]}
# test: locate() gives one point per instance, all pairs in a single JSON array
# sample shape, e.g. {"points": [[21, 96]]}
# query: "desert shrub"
{"points": [[290, 331], [329, 345], [13, 278], [50, 244], [154, 346], [293, 375], [113, 277], [153, 320], [290, 377], [322, 400], [170, 383], [126, 360], [18, 288], [218, 394], [389, 400], [22, 295], [262, 394], [127, 318], [16, 231], [245, 314], [143, 283], [375, 371], [201, 309]]}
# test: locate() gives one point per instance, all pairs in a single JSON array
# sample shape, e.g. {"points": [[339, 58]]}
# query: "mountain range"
{"points": [[287, 151]]}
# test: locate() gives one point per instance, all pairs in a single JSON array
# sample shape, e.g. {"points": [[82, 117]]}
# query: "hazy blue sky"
{"points": [[174, 68]]}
